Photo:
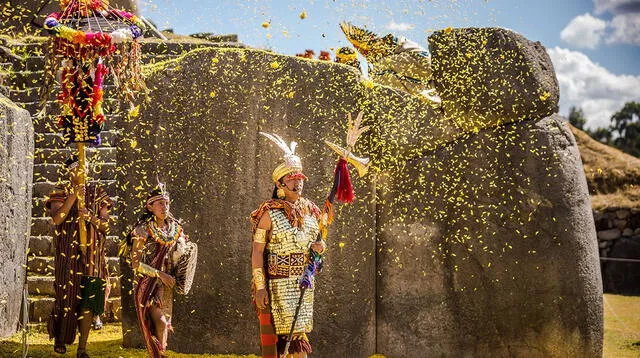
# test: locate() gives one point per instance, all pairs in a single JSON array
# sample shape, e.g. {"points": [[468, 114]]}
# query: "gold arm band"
{"points": [[260, 236], [148, 270], [258, 278]]}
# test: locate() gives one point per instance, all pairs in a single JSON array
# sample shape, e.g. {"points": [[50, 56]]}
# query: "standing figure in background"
{"points": [[79, 295], [395, 61], [347, 56], [284, 229], [161, 255]]}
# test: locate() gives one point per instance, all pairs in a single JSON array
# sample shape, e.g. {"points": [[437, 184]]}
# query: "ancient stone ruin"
{"points": [[472, 236], [16, 171]]}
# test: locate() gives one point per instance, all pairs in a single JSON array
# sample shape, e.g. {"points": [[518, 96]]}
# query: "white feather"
{"points": [[281, 143]]}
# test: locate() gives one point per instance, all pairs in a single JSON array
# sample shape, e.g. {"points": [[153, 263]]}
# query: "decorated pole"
{"points": [[85, 34], [342, 191]]}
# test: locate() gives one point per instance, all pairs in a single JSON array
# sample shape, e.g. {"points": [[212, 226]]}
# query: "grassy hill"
{"points": [[613, 176]]}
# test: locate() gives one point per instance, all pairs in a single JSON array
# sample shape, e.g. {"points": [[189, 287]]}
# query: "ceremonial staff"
{"points": [[85, 35], [342, 191]]}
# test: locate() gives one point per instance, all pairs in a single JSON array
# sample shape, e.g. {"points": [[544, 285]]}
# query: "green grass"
{"points": [[621, 337], [621, 326], [105, 343]]}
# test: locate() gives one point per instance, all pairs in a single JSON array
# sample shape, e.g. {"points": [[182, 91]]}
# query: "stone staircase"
{"points": [[23, 76]]}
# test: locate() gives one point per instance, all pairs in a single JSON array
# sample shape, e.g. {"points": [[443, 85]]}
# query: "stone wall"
{"points": [[16, 170], [27, 16], [619, 237], [460, 242]]}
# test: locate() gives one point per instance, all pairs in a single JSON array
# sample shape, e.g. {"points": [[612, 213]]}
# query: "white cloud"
{"points": [[584, 31], [616, 6], [589, 86], [626, 29], [402, 26]]}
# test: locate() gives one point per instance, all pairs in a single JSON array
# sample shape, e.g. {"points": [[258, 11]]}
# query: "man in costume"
{"points": [[80, 277], [159, 247], [284, 228]]}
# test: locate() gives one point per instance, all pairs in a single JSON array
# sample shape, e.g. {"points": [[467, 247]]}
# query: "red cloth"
{"points": [[146, 296]]}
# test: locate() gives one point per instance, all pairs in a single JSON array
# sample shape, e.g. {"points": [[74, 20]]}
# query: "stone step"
{"points": [[40, 308], [54, 172], [32, 94], [59, 155], [25, 79], [28, 49], [36, 63], [43, 286], [49, 123], [42, 189], [33, 79], [43, 265], [110, 105], [44, 246], [38, 209], [55, 140]]}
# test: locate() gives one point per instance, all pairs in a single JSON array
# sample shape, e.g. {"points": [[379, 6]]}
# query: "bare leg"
{"points": [[84, 325], [160, 324]]}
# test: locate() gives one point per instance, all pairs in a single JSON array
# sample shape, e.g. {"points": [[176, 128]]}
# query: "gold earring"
{"points": [[280, 193]]}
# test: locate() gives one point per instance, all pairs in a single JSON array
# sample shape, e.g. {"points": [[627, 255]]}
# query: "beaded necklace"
{"points": [[164, 238]]}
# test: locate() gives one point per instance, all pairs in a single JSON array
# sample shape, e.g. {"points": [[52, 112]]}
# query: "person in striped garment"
{"points": [[284, 228], [71, 311]]}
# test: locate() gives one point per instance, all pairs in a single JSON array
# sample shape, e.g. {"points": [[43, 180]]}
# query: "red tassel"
{"points": [[344, 192]]}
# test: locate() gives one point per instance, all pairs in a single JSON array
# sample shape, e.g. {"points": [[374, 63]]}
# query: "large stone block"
{"points": [[468, 241], [491, 76], [487, 247], [16, 172], [199, 133]]}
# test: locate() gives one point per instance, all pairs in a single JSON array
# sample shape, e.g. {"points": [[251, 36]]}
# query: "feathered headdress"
{"points": [[292, 162]]}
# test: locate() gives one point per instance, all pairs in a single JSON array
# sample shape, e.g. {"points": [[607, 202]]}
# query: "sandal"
{"points": [[82, 355], [97, 324], [60, 348]]}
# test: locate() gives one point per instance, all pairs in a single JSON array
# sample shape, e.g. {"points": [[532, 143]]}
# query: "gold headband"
{"points": [[292, 162]]}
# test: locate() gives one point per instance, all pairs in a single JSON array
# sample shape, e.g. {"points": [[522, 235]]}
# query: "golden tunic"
{"points": [[287, 255]]}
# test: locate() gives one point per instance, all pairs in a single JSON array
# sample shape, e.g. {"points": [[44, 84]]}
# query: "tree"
{"points": [[576, 117], [626, 122], [602, 134]]}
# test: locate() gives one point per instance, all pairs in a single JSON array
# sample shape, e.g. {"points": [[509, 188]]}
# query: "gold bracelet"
{"points": [[260, 236], [258, 278], [148, 270]]}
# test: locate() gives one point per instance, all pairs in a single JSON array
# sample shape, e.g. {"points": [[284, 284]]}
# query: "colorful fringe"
{"points": [[295, 213], [273, 345]]}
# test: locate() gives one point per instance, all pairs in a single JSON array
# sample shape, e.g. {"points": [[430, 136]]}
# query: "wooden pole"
{"points": [[83, 180]]}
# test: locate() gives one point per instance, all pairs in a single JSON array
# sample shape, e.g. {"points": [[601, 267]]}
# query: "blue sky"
{"points": [[595, 45]]}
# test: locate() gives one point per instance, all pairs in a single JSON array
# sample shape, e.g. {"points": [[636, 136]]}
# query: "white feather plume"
{"points": [[288, 150]]}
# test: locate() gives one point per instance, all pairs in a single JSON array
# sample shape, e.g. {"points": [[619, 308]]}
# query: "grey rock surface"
{"points": [[475, 261], [461, 244], [491, 76], [16, 171]]}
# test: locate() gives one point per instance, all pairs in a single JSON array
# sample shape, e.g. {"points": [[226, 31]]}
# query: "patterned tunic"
{"points": [[287, 255], [70, 265]]}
